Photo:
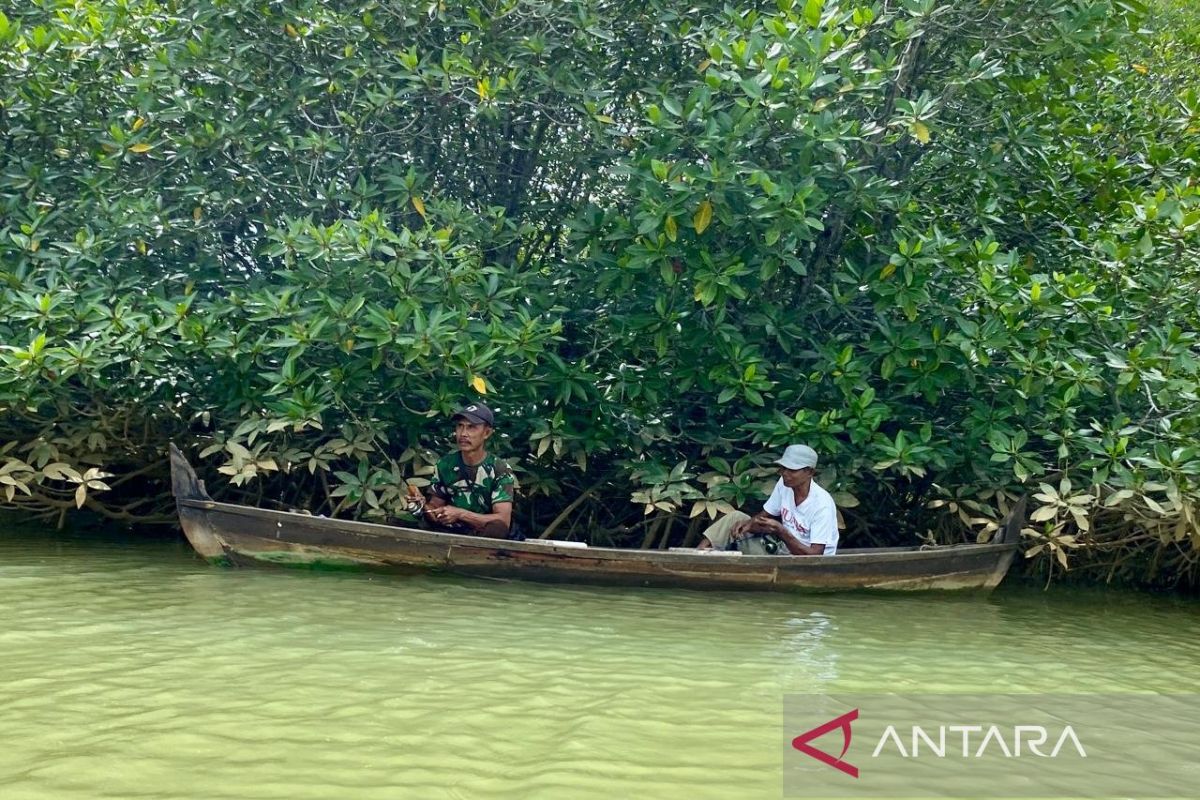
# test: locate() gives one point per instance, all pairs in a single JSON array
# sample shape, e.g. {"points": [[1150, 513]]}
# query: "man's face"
{"points": [[470, 435], [796, 478]]}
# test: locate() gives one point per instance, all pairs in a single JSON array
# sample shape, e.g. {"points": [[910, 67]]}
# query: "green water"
{"points": [[136, 671]]}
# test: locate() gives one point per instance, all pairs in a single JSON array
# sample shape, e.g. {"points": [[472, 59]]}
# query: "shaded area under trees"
{"points": [[952, 245]]}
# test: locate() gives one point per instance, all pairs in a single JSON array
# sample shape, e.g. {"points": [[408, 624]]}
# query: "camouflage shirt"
{"points": [[474, 488]]}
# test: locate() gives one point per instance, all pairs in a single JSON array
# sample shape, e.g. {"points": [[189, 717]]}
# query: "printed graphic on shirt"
{"points": [[793, 523]]}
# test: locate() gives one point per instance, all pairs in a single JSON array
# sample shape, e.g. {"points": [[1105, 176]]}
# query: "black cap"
{"points": [[477, 413]]}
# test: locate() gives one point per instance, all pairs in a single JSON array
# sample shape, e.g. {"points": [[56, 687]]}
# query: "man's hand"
{"points": [[416, 503], [740, 530], [764, 525], [756, 524], [445, 515]]}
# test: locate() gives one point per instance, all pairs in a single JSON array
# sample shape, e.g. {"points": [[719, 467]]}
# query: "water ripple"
{"points": [[136, 671]]}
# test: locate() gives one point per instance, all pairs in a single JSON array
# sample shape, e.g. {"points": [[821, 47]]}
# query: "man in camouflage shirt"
{"points": [[472, 489]]}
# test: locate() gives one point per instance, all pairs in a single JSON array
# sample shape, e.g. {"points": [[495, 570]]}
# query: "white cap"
{"points": [[798, 456]]}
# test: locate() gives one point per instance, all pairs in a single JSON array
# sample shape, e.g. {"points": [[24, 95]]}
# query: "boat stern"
{"points": [[185, 485]]}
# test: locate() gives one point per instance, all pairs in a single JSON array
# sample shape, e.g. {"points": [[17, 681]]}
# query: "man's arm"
{"points": [[824, 527], [446, 514], [762, 522], [798, 548]]}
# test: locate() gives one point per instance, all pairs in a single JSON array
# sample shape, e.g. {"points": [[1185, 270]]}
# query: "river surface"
{"points": [[134, 670]]}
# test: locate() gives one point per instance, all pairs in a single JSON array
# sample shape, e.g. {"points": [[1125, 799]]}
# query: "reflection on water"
{"points": [[137, 671]]}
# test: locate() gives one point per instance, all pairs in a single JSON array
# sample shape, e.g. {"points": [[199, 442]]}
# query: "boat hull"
{"points": [[240, 535], [234, 534]]}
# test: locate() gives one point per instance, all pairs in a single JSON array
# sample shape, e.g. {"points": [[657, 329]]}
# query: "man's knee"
{"points": [[720, 533]]}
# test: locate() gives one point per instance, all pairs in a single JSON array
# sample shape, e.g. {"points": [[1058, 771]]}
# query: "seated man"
{"points": [[472, 491], [799, 518]]}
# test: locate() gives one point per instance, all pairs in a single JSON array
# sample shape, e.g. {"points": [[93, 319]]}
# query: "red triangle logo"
{"points": [[801, 743]]}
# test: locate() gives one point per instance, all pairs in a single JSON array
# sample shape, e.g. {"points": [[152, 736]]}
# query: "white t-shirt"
{"points": [[812, 522]]}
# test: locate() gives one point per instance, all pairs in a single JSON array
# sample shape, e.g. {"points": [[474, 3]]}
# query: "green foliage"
{"points": [[952, 248]]}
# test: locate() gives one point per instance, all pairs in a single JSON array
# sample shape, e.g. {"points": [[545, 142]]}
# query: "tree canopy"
{"points": [[952, 245]]}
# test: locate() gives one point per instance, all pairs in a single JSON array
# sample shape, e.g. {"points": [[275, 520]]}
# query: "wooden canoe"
{"points": [[241, 535]]}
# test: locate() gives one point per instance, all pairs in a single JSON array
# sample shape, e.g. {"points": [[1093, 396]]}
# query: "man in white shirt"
{"points": [[799, 518]]}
